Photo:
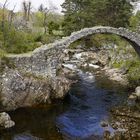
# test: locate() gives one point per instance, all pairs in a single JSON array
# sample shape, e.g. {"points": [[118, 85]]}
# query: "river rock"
{"points": [[136, 95], [5, 121], [106, 135], [94, 66], [137, 92], [138, 89], [132, 99], [104, 123], [70, 66], [116, 75]]}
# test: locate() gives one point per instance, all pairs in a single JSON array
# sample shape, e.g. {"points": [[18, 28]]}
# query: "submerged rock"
{"points": [[5, 121], [132, 99], [104, 123], [106, 135]]}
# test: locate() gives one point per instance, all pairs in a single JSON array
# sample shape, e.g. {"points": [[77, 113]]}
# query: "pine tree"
{"points": [[79, 14]]}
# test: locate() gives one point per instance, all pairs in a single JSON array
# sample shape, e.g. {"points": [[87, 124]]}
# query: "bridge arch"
{"points": [[132, 37]]}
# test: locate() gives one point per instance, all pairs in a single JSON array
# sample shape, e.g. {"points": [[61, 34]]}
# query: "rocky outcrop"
{"points": [[21, 89], [5, 121], [116, 74], [99, 60]]}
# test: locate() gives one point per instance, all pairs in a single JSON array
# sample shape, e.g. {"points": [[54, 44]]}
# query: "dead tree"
{"points": [[46, 11], [25, 10], [29, 11], [3, 15], [11, 17], [3, 21]]}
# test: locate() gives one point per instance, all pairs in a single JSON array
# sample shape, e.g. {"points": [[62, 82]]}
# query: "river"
{"points": [[78, 117]]}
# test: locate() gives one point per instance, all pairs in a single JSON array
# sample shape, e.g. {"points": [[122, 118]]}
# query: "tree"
{"points": [[135, 22], [52, 26], [44, 12], [11, 16], [87, 13], [4, 22]]}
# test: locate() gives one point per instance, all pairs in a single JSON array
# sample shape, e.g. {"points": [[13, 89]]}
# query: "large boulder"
{"points": [[20, 89], [5, 121]]}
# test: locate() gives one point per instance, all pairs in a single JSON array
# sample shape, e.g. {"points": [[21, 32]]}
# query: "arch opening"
{"points": [[132, 37]]}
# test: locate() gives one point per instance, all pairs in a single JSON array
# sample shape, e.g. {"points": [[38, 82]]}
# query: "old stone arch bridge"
{"points": [[44, 60]]}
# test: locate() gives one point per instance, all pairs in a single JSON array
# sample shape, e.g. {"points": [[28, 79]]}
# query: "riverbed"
{"points": [[78, 117]]}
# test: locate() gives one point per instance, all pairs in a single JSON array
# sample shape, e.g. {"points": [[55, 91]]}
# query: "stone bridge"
{"points": [[45, 60], [33, 78]]}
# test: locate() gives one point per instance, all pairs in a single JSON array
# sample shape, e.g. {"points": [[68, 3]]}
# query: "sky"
{"points": [[35, 3]]}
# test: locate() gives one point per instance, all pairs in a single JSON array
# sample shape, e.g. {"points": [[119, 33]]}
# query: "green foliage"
{"points": [[52, 26], [14, 41], [135, 22], [86, 13], [39, 19], [134, 72], [76, 43], [2, 53], [51, 17], [18, 36], [46, 39], [100, 40]]}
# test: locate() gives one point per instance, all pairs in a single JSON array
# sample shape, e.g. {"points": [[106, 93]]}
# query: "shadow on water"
{"points": [[77, 118]]}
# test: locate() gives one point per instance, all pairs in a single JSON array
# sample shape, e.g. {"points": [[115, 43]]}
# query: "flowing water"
{"points": [[77, 118]]}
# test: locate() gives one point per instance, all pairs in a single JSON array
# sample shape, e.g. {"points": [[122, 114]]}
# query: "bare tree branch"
{"points": [[11, 16]]}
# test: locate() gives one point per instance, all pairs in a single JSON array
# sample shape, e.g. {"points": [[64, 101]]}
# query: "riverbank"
{"points": [[90, 96], [88, 103], [125, 119], [98, 60]]}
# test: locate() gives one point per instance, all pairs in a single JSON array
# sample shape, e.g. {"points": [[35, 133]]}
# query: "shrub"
{"points": [[46, 39], [134, 73]]}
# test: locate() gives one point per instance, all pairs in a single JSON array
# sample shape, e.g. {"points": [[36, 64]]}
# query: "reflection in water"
{"points": [[34, 123], [89, 105], [76, 119]]}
